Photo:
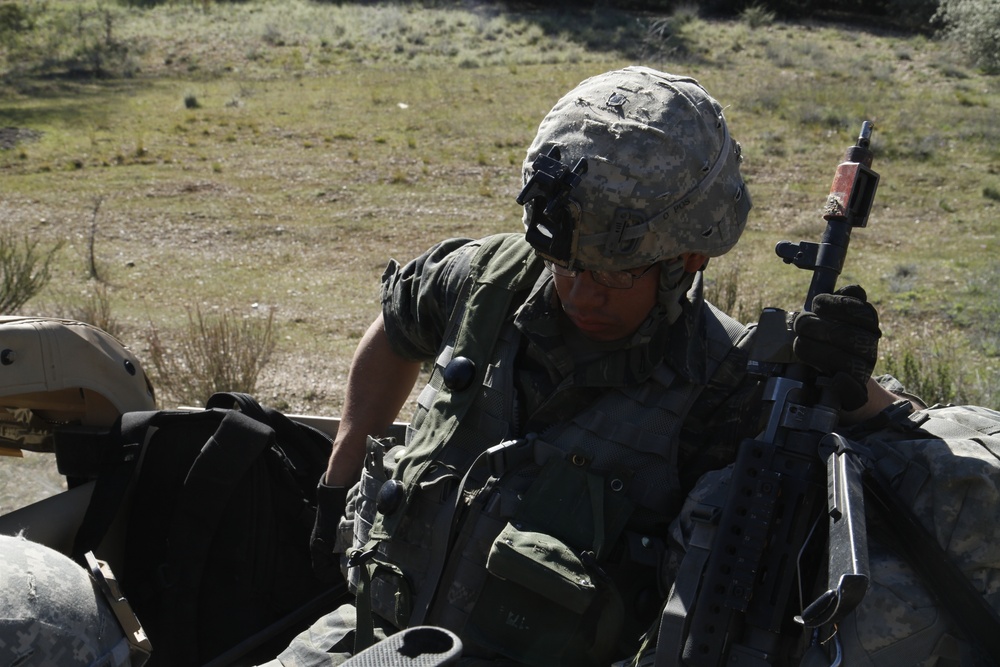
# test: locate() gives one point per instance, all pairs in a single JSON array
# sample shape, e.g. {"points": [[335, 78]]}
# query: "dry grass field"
{"points": [[268, 157]]}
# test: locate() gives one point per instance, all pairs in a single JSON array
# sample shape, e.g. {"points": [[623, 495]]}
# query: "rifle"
{"points": [[764, 552]]}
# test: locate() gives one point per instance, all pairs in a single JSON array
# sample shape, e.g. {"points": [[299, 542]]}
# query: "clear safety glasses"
{"points": [[612, 279]]}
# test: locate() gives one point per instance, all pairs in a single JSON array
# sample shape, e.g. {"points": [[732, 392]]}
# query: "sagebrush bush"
{"points": [[24, 270], [94, 307], [975, 25], [82, 40], [214, 353], [757, 15]]}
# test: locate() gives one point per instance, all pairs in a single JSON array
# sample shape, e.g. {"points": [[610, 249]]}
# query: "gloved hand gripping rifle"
{"points": [[764, 555]]}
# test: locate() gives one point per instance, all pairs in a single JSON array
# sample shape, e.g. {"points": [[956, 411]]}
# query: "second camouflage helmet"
{"points": [[632, 167]]}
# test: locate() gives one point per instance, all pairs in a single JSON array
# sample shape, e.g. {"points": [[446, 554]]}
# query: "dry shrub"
{"points": [[220, 352], [24, 271]]}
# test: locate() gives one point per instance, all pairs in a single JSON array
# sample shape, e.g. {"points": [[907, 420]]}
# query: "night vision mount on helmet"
{"points": [[655, 174]]}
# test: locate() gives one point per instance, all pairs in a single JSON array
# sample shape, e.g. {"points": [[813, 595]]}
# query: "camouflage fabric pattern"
{"points": [[53, 613], [327, 642], [418, 298], [662, 173], [960, 500], [945, 470], [899, 621]]}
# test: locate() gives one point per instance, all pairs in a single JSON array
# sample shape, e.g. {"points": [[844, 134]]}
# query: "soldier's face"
{"points": [[605, 313]]}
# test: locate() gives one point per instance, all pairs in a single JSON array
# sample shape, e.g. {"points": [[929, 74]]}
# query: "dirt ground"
{"points": [[10, 137]]}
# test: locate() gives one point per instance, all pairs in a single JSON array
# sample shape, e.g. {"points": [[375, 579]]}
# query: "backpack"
{"points": [[933, 541], [214, 552]]}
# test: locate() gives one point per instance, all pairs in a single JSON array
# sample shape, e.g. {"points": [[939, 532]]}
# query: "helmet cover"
{"points": [[632, 167], [54, 613]]}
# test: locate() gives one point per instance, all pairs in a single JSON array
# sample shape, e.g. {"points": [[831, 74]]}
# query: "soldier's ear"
{"points": [[694, 262]]}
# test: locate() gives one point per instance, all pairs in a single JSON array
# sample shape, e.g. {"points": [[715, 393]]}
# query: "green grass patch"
{"points": [[279, 153]]}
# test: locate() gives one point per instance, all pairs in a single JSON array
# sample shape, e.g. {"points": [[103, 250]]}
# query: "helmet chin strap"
{"points": [[674, 284], [671, 299], [675, 281]]}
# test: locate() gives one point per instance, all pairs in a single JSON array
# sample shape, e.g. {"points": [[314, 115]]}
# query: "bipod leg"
{"points": [[848, 574]]}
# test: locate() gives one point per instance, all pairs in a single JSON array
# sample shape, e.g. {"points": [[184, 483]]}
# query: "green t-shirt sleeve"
{"points": [[419, 297]]}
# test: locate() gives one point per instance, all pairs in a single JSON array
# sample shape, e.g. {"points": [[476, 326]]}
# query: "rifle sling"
{"points": [[673, 619]]}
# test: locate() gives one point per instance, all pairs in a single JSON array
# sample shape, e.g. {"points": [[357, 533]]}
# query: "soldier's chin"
{"points": [[601, 330]]}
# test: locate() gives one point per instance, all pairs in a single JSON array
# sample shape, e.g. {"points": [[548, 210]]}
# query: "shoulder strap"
{"points": [[670, 633], [305, 448], [504, 265], [218, 468], [967, 422], [125, 444], [237, 400]]}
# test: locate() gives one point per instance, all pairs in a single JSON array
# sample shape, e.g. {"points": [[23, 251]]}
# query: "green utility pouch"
{"points": [[542, 564], [546, 600], [382, 588], [356, 525], [540, 605]]}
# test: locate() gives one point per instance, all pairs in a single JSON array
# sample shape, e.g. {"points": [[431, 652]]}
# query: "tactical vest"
{"points": [[539, 549]]}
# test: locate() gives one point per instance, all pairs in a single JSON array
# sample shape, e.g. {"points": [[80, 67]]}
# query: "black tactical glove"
{"points": [[839, 338], [331, 502]]}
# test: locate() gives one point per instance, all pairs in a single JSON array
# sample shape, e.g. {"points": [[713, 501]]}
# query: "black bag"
{"points": [[216, 548]]}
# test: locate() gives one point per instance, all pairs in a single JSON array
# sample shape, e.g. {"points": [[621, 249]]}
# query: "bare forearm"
{"points": [[378, 384], [879, 398]]}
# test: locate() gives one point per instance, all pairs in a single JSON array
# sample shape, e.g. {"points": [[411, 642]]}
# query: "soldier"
{"points": [[581, 385]]}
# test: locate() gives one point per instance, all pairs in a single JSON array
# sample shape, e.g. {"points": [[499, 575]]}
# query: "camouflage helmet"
{"points": [[632, 167], [54, 613]]}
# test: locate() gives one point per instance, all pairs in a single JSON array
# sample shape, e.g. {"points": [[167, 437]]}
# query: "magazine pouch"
{"points": [[547, 600]]}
